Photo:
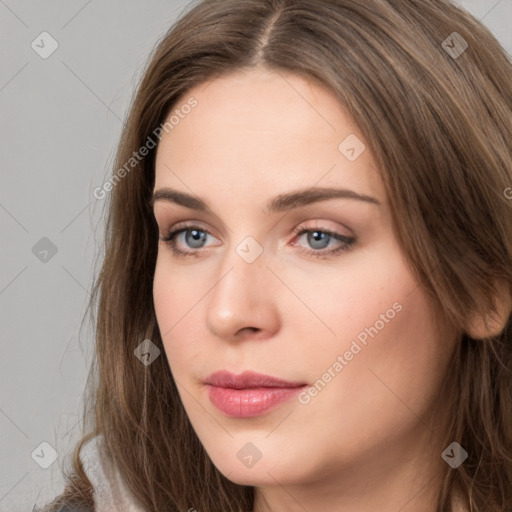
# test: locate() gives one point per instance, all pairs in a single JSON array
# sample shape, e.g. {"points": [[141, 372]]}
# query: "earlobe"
{"points": [[491, 324]]}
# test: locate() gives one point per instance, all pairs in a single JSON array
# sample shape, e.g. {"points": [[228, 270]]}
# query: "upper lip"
{"points": [[247, 380]]}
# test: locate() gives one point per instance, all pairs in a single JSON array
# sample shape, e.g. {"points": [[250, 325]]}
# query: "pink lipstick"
{"points": [[249, 394]]}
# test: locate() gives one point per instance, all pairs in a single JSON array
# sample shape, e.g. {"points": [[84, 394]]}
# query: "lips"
{"points": [[249, 394], [248, 380]]}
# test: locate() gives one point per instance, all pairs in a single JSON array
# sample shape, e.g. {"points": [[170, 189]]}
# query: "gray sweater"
{"points": [[110, 491]]}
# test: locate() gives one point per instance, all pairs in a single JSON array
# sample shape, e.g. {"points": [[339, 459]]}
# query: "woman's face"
{"points": [[334, 311]]}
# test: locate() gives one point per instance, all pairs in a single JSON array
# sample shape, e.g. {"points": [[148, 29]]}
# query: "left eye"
{"points": [[318, 238]]}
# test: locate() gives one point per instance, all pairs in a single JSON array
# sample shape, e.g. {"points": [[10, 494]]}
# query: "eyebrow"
{"points": [[280, 203]]}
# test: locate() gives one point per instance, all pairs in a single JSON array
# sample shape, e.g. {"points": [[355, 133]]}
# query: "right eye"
{"points": [[194, 238]]}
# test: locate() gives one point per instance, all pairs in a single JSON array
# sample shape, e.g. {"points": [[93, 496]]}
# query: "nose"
{"points": [[244, 300]]}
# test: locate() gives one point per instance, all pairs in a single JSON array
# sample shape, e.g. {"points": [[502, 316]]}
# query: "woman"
{"points": [[306, 293]]}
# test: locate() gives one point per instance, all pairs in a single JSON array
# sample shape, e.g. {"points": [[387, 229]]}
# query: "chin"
{"points": [[250, 476]]}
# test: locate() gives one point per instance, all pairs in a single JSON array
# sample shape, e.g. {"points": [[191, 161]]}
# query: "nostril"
{"points": [[253, 329]]}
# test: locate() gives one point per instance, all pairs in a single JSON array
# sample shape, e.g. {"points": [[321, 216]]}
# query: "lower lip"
{"points": [[248, 403]]}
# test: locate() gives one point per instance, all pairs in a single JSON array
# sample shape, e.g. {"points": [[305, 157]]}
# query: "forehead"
{"points": [[258, 126], [264, 101]]}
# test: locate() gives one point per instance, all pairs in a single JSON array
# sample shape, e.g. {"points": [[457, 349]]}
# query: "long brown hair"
{"points": [[431, 90]]}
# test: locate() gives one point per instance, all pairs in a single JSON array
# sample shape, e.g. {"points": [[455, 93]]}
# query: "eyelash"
{"points": [[347, 242]]}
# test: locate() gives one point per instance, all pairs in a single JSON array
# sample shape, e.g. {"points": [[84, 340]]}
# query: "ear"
{"points": [[492, 324]]}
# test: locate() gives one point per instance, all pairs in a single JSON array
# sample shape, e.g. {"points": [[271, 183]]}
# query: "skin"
{"points": [[369, 440]]}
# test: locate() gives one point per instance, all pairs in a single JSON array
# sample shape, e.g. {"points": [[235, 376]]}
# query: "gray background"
{"points": [[61, 118]]}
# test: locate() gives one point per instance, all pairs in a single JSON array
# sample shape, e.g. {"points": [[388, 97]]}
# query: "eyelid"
{"points": [[320, 224], [180, 227], [189, 224]]}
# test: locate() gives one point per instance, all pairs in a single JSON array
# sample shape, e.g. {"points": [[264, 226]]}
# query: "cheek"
{"points": [[412, 357], [362, 299], [406, 345], [385, 330], [176, 290], [392, 366], [174, 296]]}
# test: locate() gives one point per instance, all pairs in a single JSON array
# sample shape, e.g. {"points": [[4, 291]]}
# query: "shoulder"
{"points": [[66, 508], [110, 490], [75, 508]]}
